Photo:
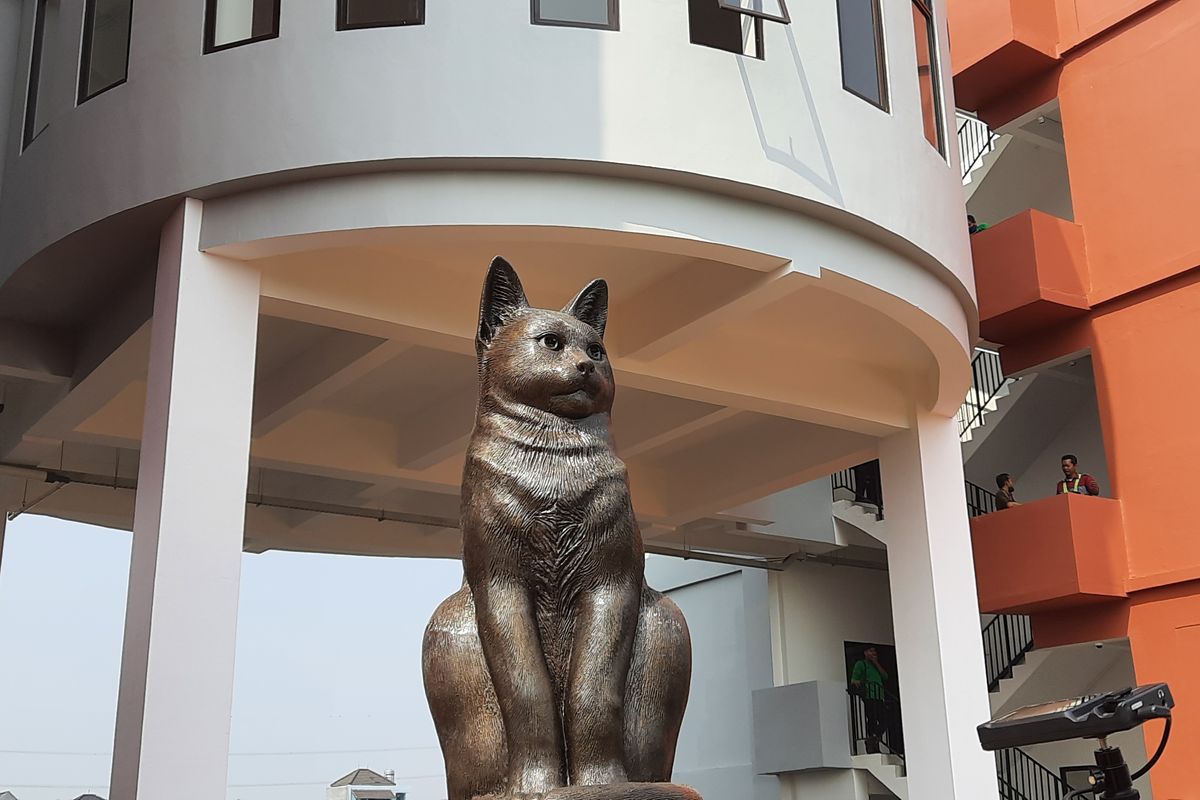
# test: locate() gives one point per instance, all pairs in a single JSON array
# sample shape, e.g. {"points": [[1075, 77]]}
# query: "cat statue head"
{"points": [[553, 361]]}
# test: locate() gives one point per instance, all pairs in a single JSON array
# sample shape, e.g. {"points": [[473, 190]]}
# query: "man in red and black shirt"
{"points": [[1073, 482]]}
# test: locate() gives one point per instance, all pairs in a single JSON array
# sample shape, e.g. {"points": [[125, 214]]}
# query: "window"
{"points": [[864, 69], [229, 23], [42, 78], [576, 13], [773, 10], [379, 13], [712, 25], [927, 77], [105, 61]]}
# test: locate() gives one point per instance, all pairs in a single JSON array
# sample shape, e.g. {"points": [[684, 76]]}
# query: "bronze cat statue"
{"points": [[555, 673]]}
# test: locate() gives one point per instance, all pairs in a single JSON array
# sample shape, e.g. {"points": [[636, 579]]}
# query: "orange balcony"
{"points": [[1055, 553], [996, 45], [1030, 273]]}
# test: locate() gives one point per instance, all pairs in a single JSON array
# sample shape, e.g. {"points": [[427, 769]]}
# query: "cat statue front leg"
{"points": [[533, 733]]}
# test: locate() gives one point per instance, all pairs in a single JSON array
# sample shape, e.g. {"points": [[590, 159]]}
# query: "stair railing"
{"points": [[1006, 640], [979, 500], [987, 378], [863, 482], [975, 140], [890, 737], [1022, 777]]}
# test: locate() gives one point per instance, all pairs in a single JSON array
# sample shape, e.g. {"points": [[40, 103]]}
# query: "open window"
{"points": [[927, 74], [231, 23], [42, 73], [770, 10], [710, 24], [379, 13], [601, 14], [105, 60]]}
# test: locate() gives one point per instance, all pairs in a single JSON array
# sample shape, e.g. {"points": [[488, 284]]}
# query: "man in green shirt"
{"points": [[867, 680]]}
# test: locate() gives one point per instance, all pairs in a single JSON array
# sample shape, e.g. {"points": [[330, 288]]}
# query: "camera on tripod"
{"points": [[1096, 716]]}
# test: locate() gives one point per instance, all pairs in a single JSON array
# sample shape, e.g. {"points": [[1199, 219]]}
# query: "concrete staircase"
{"points": [[852, 520], [887, 770]]}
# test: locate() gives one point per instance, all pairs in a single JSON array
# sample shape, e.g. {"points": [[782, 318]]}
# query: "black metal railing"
{"points": [[975, 140], [1022, 777], [987, 378], [876, 726], [1006, 640], [863, 482], [979, 500]]}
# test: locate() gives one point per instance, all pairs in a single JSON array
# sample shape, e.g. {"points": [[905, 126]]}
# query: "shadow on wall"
{"points": [[826, 181]]}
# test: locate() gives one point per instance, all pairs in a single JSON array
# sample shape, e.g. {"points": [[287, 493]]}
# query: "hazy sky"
{"points": [[328, 666]]}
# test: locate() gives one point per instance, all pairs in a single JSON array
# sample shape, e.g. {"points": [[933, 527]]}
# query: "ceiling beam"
{"points": [[327, 368]]}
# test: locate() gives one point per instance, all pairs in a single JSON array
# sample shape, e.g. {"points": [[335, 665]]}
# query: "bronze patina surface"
{"points": [[555, 673]]}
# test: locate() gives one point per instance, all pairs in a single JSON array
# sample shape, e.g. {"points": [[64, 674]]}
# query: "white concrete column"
{"points": [[935, 613], [176, 695]]}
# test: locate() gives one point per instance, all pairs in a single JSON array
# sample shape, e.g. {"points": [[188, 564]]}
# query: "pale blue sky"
{"points": [[328, 666]]}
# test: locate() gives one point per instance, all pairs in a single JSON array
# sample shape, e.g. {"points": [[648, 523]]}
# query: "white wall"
{"points": [[1025, 176], [815, 609], [726, 610]]}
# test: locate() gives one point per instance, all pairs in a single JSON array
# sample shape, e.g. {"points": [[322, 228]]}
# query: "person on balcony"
{"points": [[866, 681], [1005, 492], [1073, 481], [974, 227]]}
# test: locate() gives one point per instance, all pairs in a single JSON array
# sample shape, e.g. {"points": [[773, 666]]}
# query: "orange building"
{"points": [[1092, 255]]}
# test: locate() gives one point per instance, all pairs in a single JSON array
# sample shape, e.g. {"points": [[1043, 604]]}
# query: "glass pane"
{"points": [[862, 49], [771, 9], [106, 45], [43, 79], [585, 12], [927, 77], [369, 13], [713, 26], [239, 20]]}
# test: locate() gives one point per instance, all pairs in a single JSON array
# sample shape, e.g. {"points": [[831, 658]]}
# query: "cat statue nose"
{"points": [[586, 366]]}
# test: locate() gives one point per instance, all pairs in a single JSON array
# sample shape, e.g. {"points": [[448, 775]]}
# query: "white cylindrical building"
{"points": [[239, 232]]}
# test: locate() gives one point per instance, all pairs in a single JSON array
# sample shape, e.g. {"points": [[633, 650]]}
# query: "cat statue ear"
{"points": [[591, 306], [503, 296]]}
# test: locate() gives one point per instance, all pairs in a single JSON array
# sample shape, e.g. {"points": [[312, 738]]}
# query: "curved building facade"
{"points": [[250, 233]]}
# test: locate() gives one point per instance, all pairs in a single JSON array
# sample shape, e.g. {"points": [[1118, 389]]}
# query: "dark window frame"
{"points": [[210, 29], [614, 18], [925, 7], [85, 55], [343, 14], [33, 86], [784, 17], [885, 95]]}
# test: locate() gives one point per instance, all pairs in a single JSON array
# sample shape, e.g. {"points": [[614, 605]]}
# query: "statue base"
{"points": [[618, 791]]}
